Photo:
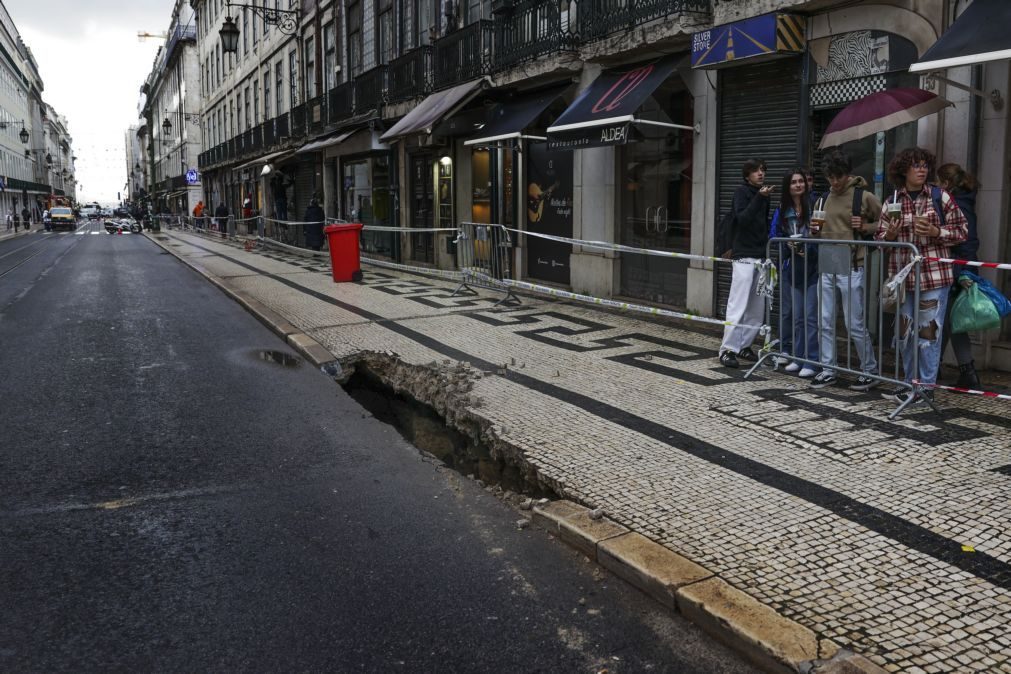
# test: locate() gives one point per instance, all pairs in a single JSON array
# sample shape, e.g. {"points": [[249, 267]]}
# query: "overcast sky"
{"points": [[92, 65]]}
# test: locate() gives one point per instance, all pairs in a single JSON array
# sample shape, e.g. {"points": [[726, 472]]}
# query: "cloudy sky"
{"points": [[93, 64]]}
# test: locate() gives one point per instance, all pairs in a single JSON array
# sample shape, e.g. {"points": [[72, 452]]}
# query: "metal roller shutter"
{"points": [[760, 116]]}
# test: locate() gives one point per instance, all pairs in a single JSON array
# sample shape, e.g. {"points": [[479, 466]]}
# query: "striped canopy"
{"points": [[881, 111]]}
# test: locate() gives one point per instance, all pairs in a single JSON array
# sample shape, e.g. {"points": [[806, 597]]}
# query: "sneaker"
{"points": [[728, 359], [780, 360], [792, 367], [898, 394], [863, 383], [807, 372], [824, 379], [748, 355]]}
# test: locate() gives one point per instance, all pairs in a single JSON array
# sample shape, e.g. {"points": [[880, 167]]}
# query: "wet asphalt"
{"points": [[169, 501]]}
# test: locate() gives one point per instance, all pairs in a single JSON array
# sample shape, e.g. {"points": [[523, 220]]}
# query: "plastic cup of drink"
{"points": [[894, 210], [817, 220]]}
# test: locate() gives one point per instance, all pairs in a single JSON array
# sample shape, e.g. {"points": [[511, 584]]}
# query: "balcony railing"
{"points": [[370, 89], [342, 102], [316, 109], [532, 29], [298, 121], [463, 55], [598, 18], [267, 133], [411, 75], [281, 128]]}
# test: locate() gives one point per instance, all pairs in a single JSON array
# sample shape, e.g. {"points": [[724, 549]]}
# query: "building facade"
{"points": [[170, 133], [603, 122]]}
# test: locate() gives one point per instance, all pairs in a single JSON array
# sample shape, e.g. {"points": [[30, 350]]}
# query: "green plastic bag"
{"points": [[973, 312]]}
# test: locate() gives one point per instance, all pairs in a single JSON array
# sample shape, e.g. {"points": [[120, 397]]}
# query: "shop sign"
{"points": [[759, 38], [192, 177], [549, 211]]}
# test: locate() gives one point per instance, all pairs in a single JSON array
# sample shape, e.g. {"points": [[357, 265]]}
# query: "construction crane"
{"points": [[143, 35]]}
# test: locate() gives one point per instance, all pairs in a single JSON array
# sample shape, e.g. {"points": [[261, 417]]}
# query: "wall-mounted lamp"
{"points": [[286, 21]]}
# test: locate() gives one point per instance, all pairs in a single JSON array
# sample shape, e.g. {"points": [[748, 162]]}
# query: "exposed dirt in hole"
{"points": [[431, 407]]}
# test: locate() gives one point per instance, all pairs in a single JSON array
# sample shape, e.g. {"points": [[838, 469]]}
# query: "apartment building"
{"points": [[618, 122]]}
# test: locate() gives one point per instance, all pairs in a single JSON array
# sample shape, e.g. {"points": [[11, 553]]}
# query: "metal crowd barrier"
{"points": [[484, 257], [833, 279]]}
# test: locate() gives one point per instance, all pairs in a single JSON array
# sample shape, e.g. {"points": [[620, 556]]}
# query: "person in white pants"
{"points": [[745, 307]]}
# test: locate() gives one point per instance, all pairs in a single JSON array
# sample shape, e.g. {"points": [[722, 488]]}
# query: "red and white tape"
{"points": [[970, 263], [957, 389]]}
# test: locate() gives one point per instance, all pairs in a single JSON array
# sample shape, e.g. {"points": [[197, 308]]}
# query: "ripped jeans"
{"points": [[933, 304]]}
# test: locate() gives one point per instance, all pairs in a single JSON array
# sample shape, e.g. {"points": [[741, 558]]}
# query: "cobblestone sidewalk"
{"points": [[891, 538]]}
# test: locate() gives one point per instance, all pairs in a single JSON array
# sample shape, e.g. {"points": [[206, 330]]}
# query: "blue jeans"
{"points": [[785, 328], [933, 304], [850, 289], [804, 305]]}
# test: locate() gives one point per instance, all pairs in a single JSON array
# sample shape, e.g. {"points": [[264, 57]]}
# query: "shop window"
{"points": [[329, 56], [310, 68]]}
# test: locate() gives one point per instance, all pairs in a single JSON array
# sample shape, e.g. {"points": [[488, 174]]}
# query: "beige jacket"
{"points": [[839, 210]]}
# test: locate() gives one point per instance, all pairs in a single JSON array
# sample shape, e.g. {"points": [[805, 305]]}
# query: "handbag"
{"points": [[973, 311]]}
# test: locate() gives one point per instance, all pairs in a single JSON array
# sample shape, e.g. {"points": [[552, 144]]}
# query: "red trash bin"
{"points": [[344, 259]]}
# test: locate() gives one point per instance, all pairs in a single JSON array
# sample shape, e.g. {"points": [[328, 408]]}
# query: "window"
{"points": [[248, 116], [279, 88], [329, 56], [266, 26], [266, 95], [245, 31], [255, 38], [410, 29], [256, 102], [310, 68], [355, 38], [384, 45], [217, 58], [231, 118], [238, 109], [293, 78]]}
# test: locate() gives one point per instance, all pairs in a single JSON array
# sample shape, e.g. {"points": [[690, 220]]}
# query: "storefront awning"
{"points": [[437, 106], [262, 160], [603, 113], [327, 141], [508, 120], [979, 35]]}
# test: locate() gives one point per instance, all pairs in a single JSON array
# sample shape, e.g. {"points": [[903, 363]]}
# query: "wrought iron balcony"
{"points": [[411, 75], [316, 114], [597, 18], [297, 119], [463, 55], [370, 89], [342, 102], [532, 29], [281, 128]]}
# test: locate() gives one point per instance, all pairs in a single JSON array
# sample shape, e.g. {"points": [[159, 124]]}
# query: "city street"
{"points": [[172, 500]]}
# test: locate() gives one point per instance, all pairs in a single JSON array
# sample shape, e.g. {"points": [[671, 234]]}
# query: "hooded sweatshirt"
{"points": [[751, 218], [839, 210]]}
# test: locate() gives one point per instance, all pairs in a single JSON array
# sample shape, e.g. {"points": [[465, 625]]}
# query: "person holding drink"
{"points": [[848, 211], [928, 217]]}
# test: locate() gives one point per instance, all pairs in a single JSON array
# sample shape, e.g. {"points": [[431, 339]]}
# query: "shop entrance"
{"points": [[656, 199], [368, 197], [422, 244]]}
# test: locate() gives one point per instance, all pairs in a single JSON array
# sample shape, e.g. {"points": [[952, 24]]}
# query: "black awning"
{"points": [[981, 33], [602, 114], [509, 119], [436, 107]]}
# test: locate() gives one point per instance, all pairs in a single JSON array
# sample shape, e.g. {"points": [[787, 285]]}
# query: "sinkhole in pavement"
{"points": [[426, 429]]}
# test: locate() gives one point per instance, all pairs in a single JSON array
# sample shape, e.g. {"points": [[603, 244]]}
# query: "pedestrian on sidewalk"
{"points": [[314, 219], [46, 220], [221, 219], [26, 217], [961, 185], [932, 221], [851, 212], [798, 312], [10, 222], [745, 307]]}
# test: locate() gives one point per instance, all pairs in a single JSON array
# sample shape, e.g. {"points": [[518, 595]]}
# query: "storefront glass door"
{"points": [[422, 207], [656, 189]]}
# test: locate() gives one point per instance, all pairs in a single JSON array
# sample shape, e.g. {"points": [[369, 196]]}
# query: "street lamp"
{"points": [[286, 21], [24, 135], [191, 117], [166, 126]]}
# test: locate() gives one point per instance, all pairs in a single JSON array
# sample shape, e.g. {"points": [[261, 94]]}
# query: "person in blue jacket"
{"points": [[961, 185], [798, 323]]}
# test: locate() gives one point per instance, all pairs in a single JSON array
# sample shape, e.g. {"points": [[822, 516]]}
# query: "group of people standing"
{"points": [[817, 279], [16, 220]]}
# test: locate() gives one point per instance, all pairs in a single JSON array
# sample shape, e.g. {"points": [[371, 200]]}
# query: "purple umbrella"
{"points": [[879, 112]]}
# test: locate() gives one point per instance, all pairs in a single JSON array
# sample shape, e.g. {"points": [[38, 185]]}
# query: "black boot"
{"points": [[967, 377]]}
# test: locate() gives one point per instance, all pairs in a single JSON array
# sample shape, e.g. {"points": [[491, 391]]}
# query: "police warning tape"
{"points": [[970, 263], [408, 230], [604, 245], [957, 389], [614, 304], [441, 273]]}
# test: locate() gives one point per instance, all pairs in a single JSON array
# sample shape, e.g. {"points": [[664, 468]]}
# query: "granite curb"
{"points": [[309, 348], [771, 641]]}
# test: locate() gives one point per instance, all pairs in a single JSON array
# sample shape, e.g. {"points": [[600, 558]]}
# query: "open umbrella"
{"points": [[879, 112]]}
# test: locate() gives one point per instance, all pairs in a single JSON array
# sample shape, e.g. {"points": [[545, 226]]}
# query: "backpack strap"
{"points": [[858, 202], [937, 196]]}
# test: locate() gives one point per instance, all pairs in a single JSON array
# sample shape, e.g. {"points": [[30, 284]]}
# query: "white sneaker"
{"points": [[807, 372], [792, 367]]}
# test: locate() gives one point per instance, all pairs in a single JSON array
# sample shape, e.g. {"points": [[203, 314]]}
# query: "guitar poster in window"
{"points": [[549, 211]]}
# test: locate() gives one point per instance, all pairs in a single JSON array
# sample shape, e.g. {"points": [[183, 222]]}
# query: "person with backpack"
{"points": [[851, 212], [931, 220], [746, 231], [961, 185], [798, 312]]}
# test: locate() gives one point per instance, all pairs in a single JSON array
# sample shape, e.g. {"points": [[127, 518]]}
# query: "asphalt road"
{"points": [[169, 501]]}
